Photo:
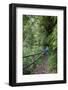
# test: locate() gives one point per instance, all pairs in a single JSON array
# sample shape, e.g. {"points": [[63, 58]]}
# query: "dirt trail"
{"points": [[43, 67]]}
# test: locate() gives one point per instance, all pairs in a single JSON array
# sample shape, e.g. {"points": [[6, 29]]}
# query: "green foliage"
{"points": [[38, 32], [52, 63]]}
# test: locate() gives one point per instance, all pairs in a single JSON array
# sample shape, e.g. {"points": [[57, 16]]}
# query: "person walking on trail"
{"points": [[46, 50]]}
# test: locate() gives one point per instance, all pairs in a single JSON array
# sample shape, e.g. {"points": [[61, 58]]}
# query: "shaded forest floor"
{"points": [[43, 67]]}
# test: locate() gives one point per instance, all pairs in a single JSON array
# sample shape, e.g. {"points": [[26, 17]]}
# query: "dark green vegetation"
{"points": [[39, 32]]}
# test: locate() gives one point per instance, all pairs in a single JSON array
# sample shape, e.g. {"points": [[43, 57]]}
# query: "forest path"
{"points": [[43, 67]]}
